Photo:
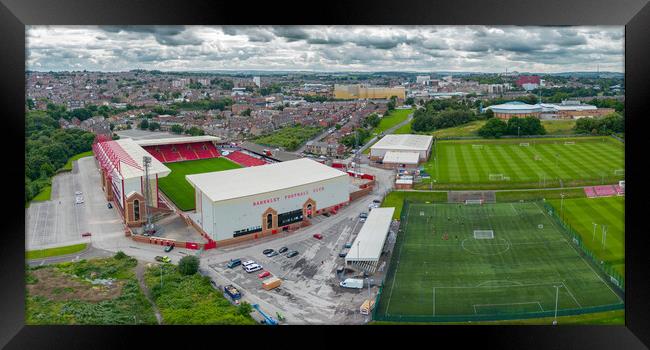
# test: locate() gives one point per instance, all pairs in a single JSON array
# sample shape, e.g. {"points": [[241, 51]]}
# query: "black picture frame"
{"points": [[634, 14]]}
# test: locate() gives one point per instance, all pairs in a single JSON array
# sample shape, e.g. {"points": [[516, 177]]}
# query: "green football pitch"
{"points": [[512, 275], [554, 162], [178, 190], [607, 244]]}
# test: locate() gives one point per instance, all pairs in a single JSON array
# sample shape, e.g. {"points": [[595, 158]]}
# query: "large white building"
{"points": [[246, 203], [407, 144], [122, 176]]}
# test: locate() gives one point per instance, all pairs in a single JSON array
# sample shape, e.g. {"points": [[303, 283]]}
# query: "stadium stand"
{"points": [[603, 191], [244, 159], [589, 191], [183, 151]]}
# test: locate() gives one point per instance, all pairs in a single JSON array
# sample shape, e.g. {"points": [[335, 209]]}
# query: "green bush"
{"points": [[188, 265]]}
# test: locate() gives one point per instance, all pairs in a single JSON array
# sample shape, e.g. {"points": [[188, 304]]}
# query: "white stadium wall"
{"points": [[228, 216]]}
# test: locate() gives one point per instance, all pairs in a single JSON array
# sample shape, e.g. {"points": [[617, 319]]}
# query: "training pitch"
{"points": [[606, 239], [178, 190], [512, 275], [537, 162]]}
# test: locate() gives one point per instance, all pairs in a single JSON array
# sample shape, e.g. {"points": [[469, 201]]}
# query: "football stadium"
{"points": [[471, 262]]}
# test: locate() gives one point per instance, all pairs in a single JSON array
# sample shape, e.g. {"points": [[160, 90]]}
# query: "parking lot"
{"points": [[310, 291]]}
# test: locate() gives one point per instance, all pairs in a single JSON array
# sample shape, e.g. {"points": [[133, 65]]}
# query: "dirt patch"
{"points": [[55, 285]]}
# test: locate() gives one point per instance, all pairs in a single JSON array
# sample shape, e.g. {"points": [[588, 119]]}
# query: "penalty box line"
{"points": [[504, 304]]}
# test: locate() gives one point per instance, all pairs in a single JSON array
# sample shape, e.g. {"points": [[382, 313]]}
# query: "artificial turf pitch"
{"points": [[582, 213], [543, 163], [512, 275], [178, 190]]}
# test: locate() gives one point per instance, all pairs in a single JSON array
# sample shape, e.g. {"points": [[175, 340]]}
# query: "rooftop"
{"points": [[126, 155], [236, 183], [401, 157], [407, 142], [370, 240], [177, 140]]}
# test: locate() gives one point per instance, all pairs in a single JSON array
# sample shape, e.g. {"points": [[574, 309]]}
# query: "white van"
{"points": [[352, 283], [246, 263], [252, 268]]}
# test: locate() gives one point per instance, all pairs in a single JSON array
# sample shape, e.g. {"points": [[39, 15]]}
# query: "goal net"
{"points": [[483, 234], [569, 143], [524, 144], [496, 177], [619, 172], [477, 146], [473, 201]]}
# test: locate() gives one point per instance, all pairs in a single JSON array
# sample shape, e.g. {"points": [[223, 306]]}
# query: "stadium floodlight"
{"points": [[557, 296]]}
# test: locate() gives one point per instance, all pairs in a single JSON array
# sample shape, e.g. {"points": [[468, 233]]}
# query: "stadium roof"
{"points": [[236, 183], [370, 240], [406, 142], [176, 140], [401, 157], [125, 155], [515, 107]]}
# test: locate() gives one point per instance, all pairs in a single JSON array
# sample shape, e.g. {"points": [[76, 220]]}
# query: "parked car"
{"points": [[267, 251], [159, 258], [343, 253], [272, 254], [362, 220], [326, 214], [376, 201], [169, 248], [166, 259], [264, 274], [348, 245], [283, 249], [109, 205], [363, 215], [292, 253], [248, 262], [233, 263], [318, 236], [78, 193], [79, 200], [86, 234], [252, 268]]}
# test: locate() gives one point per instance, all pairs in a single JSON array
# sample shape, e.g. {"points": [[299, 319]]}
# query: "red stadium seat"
{"points": [[244, 159]]}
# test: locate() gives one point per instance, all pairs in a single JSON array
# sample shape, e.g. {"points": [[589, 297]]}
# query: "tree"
{"points": [[493, 128], [245, 309], [177, 129], [154, 126], [409, 101], [371, 120], [144, 124], [246, 113], [188, 265]]}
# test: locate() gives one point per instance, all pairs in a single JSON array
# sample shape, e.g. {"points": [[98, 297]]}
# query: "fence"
{"points": [[618, 138], [515, 137], [378, 314], [605, 268]]}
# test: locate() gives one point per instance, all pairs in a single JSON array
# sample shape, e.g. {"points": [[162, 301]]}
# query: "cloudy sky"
{"points": [[326, 48]]}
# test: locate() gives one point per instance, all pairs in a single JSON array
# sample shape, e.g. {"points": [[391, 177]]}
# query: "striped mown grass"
{"points": [[582, 213], [553, 162], [178, 190]]}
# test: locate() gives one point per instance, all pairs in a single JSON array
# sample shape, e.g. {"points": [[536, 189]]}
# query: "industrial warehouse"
{"points": [[402, 150], [253, 202]]}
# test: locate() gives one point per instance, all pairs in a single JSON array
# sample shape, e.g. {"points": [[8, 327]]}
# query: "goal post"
{"points": [[619, 172], [569, 142], [473, 201], [483, 234], [477, 146], [524, 144]]}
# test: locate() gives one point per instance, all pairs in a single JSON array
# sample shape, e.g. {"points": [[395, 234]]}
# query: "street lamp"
{"points": [[557, 294]]}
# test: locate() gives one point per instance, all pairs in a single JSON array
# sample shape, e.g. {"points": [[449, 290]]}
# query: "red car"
{"points": [[318, 236], [85, 234], [264, 274]]}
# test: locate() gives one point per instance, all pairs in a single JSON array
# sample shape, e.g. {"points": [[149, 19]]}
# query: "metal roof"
{"points": [[408, 142], [176, 140], [243, 182], [125, 156], [401, 157], [370, 240]]}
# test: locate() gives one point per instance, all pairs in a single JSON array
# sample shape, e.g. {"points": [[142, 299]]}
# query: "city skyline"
{"points": [[326, 48]]}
